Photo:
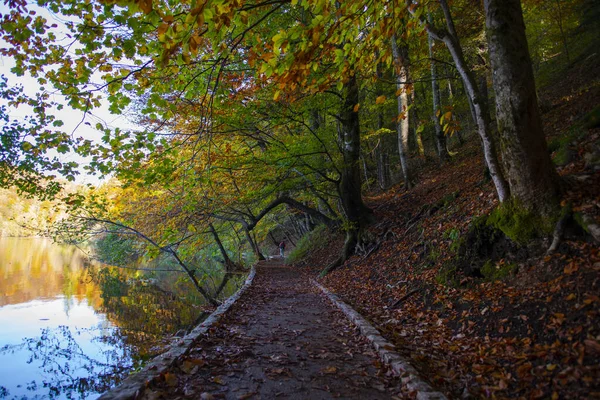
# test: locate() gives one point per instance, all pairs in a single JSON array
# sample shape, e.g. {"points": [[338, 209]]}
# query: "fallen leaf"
{"points": [[330, 370], [570, 268], [171, 379], [592, 346], [551, 367]]}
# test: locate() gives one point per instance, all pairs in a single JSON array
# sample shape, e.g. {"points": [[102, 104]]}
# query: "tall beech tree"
{"points": [[480, 105], [357, 213], [440, 139], [401, 72], [531, 174]]}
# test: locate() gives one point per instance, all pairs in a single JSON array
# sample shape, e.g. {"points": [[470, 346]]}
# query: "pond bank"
{"points": [[132, 386]]}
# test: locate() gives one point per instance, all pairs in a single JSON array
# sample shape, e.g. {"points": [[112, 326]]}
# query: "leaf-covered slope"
{"points": [[529, 326]]}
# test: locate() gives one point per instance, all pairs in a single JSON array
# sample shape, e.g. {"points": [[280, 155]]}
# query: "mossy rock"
{"points": [[519, 224], [562, 148], [477, 246], [447, 275], [489, 239]]}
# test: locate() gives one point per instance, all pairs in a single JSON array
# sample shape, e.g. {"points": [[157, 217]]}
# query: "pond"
{"points": [[70, 329]]}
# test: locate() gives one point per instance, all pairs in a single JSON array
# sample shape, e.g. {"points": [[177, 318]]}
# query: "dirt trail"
{"points": [[281, 339]]}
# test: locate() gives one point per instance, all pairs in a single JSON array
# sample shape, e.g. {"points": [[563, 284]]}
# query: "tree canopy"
{"points": [[244, 106]]}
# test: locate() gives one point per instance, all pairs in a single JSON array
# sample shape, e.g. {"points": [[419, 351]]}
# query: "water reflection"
{"points": [[72, 329], [53, 343], [39, 269]]}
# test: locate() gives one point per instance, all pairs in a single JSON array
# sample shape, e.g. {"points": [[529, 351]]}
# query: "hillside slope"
{"points": [[524, 325]]}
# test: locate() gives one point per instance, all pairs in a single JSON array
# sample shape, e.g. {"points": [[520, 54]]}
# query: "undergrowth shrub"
{"points": [[113, 249], [560, 147], [314, 240]]}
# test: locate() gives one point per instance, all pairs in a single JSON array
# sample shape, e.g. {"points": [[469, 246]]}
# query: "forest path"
{"points": [[281, 339]]}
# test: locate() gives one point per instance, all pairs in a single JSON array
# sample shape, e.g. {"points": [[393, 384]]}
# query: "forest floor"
{"points": [[531, 327], [281, 339]]}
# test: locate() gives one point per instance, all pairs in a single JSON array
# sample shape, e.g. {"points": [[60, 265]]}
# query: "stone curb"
{"points": [[134, 384], [386, 351]]}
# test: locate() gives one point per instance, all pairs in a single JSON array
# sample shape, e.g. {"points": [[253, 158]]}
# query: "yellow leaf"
{"points": [[380, 100], [356, 107], [330, 370]]}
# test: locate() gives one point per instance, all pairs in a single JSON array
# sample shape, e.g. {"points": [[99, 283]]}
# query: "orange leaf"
{"points": [[162, 28], [356, 107], [570, 268]]}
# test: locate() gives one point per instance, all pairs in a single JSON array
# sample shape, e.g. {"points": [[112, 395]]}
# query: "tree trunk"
{"points": [[415, 118], [480, 107], [531, 175], [440, 139], [383, 173], [229, 265], [401, 72], [253, 245], [383, 169], [350, 182], [357, 213]]}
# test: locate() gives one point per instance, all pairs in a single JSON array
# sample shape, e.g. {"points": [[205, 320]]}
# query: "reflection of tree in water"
{"points": [[70, 371], [145, 316], [146, 313]]}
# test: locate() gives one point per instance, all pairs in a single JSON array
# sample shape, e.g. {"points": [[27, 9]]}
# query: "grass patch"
{"points": [[559, 147], [447, 275], [493, 272], [314, 240]]}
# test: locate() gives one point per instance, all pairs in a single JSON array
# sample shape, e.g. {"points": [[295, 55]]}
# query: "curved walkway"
{"points": [[281, 339]]}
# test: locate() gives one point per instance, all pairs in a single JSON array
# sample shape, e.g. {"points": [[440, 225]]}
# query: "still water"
{"points": [[54, 342], [70, 329]]}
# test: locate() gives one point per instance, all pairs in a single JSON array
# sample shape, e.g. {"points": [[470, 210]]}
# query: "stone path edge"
{"points": [[386, 351], [134, 384]]}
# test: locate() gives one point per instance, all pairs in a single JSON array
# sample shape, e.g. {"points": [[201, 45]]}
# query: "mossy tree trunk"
{"points": [[532, 177]]}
